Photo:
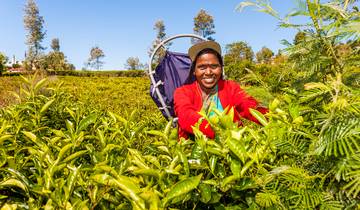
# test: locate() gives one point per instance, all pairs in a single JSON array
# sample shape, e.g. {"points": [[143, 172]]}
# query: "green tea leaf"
{"points": [[46, 106], [39, 85], [205, 192], [4, 138], [237, 147], [75, 155], [182, 187], [84, 123], [259, 116], [127, 187], [14, 183]]}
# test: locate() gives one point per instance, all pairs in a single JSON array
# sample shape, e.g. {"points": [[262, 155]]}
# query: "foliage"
{"points": [[44, 180], [3, 61], [62, 154], [264, 55], [236, 71], [203, 25], [83, 73], [96, 54], [122, 73], [55, 60], [159, 27], [271, 77], [133, 63], [238, 51], [280, 59], [55, 44], [299, 37], [314, 52], [122, 94], [34, 24]]}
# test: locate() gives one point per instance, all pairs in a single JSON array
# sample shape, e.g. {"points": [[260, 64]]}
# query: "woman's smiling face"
{"points": [[208, 71]]}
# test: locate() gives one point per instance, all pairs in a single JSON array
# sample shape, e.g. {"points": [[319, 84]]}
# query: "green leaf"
{"points": [[84, 123], [116, 117], [237, 147], [184, 160], [225, 184], [7, 206], [63, 151], [259, 116], [72, 113], [157, 133], [212, 163], [46, 106], [39, 85], [244, 4], [110, 147], [182, 187], [71, 180], [126, 187], [267, 199], [30, 135], [205, 193], [147, 172], [235, 167], [75, 155], [4, 137], [24, 79], [14, 183], [353, 187]]}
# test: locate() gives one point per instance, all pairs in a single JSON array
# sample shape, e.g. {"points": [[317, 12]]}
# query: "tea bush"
{"points": [[61, 153]]}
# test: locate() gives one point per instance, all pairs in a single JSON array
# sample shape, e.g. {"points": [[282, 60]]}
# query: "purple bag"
{"points": [[171, 73]]}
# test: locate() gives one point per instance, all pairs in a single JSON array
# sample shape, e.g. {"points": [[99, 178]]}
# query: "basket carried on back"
{"points": [[171, 73]]}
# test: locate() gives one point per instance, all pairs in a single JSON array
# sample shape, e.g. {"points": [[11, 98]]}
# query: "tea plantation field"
{"points": [[118, 94], [100, 143]]}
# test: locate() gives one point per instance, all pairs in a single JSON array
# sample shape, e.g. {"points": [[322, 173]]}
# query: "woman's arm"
{"points": [[243, 102], [187, 112]]}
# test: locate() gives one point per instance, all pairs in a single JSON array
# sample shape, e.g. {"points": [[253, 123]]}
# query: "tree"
{"points": [[203, 25], [55, 44], [96, 54], [133, 63], [33, 23], [238, 51], [55, 61], [280, 58], [159, 27], [299, 37], [3, 61], [264, 55]]}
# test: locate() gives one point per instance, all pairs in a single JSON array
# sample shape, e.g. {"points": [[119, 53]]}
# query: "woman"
{"points": [[209, 88]]}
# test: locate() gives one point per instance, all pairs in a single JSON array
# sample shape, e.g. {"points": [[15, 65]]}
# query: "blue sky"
{"points": [[124, 29]]}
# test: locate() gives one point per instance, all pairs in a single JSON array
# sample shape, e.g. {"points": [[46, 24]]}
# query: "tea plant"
{"points": [[58, 154]]}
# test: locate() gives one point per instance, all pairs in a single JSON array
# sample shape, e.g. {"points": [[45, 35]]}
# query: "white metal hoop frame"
{"points": [[151, 72]]}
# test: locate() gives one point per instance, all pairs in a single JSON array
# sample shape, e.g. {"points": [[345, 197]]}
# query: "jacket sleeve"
{"points": [[187, 113], [243, 102]]}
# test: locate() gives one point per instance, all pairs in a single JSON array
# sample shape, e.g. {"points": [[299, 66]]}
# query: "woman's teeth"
{"points": [[209, 80]]}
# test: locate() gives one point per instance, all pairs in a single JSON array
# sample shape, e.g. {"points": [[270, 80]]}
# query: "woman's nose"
{"points": [[208, 70]]}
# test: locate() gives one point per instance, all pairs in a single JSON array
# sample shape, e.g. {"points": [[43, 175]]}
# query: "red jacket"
{"points": [[188, 102]]}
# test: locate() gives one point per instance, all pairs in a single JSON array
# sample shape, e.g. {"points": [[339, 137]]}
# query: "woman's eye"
{"points": [[214, 66], [202, 67]]}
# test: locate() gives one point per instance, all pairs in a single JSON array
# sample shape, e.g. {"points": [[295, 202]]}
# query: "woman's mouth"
{"points": [[209, 79]]}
